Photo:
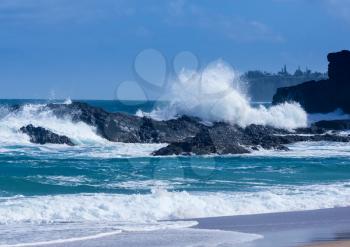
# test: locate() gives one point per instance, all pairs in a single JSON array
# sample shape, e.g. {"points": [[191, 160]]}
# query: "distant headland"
{"points": [[322, 96], [263, 85]]}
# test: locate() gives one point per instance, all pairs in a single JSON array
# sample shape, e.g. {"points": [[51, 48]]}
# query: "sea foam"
{"points": [[170, 205], [89, 143], [97, 235], [37, 115]]}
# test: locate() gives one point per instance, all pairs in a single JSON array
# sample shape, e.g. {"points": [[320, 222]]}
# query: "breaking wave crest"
{"points": [[165, 205], [38, 115], [89, 143], [218, 94]]}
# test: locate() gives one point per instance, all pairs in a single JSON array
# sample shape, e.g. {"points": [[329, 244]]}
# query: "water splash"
{"points": [[217, 94]]}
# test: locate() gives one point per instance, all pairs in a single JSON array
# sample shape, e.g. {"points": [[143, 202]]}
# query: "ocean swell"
{"points": [[165, 205]]}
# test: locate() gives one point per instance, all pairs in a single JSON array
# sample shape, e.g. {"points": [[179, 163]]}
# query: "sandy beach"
{"points": [[316, 228], [333, 244]]}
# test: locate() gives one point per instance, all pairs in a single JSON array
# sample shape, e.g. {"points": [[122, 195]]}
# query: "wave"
{"points": [[90, 144], [309, 149], [336, 115], [38, 115], [36, 220], [96, 235], [164, 205], [218, 94], [60, 240]]}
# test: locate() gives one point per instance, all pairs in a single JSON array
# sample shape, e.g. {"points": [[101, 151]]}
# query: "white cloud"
{"points": [[182, 13], [236, 28]]}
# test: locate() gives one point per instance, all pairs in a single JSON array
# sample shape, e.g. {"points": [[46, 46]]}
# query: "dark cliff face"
{"points": [[326, 95], [339, 67]]}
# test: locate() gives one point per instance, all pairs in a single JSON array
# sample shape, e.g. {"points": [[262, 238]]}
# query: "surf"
{"points": [[37, 114], [217, 94]]}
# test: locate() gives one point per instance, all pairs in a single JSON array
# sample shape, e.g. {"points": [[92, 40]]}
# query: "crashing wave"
{"points": [[217, 94]]}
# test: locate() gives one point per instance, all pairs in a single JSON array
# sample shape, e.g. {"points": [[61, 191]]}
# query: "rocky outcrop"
{"points": [[42, 136], [121, 127], [326, 95], [228, 139], [333, 124], [188, 135]]}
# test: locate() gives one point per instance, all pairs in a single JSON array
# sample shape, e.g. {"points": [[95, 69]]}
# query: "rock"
{"points": [[188, 135], [338, 67], [227, 139], [200, 144], [40, 135], [312, 130], [326, 95], [333, 124], [121, 127], [203, 143]]}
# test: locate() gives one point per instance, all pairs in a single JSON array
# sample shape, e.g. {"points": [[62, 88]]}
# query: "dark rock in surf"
{"points": [[42, 136], [333, 124], [326, 95], [227, 139], [188, 135], [121, 127]]}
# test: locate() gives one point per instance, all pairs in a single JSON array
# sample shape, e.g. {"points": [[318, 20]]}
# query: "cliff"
{"points": [[325, 95]]}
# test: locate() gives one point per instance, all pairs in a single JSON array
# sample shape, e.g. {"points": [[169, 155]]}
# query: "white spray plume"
{"points": [[217, 94]]}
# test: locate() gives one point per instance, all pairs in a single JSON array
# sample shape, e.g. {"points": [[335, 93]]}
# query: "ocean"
{"points": [[57, 193]]}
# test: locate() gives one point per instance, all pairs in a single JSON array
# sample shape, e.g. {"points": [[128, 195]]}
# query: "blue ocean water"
{"points": [[101, 187]]}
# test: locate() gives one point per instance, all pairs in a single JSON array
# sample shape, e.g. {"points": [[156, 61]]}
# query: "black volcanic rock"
{"points": [[326, 95], [121, 127], [339, 67], [333, 124], [40, 135], [228, 139], [185, 135]]}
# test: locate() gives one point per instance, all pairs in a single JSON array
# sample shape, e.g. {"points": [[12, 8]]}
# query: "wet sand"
{"points": [[317, 228], [333, 244], [290, 229]]}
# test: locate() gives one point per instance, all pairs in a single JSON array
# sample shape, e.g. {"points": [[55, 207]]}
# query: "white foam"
{"points": [[146, 212], [164, 205], [336, 115], [113, 150], [96, 235], [63, 241], [67, 101], [309, 149], [34, 114], [145, 184], [186, 237], [216, 94], [107, 150], [60, 180], [89, 143]]}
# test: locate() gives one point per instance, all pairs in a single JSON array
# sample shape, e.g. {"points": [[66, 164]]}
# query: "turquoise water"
{"points": [[29, 176], [120, 186]]}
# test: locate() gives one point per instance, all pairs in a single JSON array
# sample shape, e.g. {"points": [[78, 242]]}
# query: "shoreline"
{"points": [[314, 228], [332, 244], [311, 228]]}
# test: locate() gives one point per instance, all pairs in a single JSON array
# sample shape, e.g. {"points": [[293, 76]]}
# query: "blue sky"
{"points": [[83, 49]]}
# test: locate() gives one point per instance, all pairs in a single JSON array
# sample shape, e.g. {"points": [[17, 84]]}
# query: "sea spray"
{"points": [[38, 115], [217, 94]]}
